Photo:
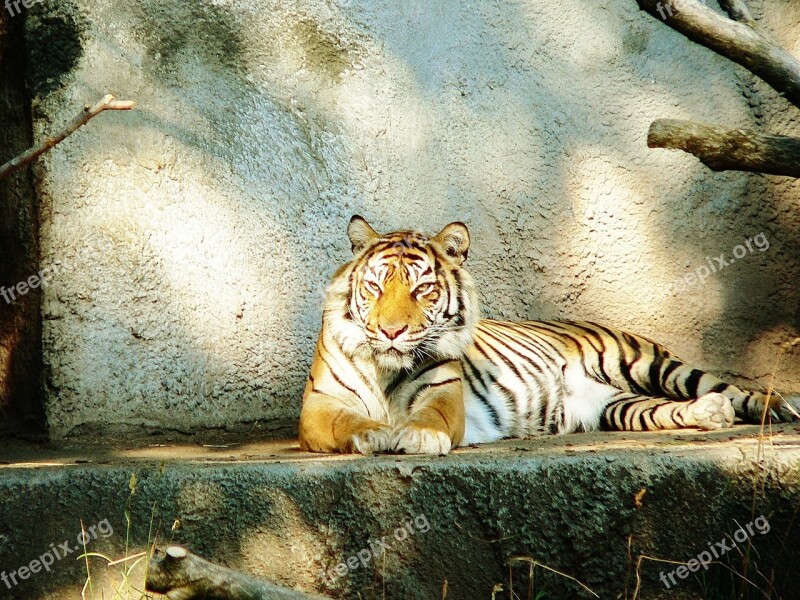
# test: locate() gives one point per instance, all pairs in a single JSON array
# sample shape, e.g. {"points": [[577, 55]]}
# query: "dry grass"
{"points": [[741, 585], [121, 573]]}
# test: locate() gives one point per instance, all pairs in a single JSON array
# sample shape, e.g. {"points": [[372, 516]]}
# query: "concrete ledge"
{"points": [[268, 509]]}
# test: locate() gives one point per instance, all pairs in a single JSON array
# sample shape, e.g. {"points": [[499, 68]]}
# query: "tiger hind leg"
{"points": [[685, 382], [647, 370], [633, 412], [664, 375]]}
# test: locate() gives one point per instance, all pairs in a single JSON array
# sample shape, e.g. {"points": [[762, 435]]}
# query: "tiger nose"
{"points": [[393, 332]]}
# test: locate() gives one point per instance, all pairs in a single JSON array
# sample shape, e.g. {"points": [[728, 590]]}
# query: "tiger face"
{"points": [[405, 296]]}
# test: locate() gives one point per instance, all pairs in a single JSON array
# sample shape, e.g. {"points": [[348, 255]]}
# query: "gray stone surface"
{"points": [[267, 509], [195, 236]]}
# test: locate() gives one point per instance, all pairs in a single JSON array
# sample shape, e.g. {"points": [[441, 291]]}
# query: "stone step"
{"points": [[585, 505]]}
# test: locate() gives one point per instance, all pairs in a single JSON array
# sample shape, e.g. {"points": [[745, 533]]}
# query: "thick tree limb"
{"points": [[182, 575], [88, 113], [724, 150], [737, 41]]}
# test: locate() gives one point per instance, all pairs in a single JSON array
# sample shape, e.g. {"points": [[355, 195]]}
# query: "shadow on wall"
{"points": [[21, 410], [56, 49]]}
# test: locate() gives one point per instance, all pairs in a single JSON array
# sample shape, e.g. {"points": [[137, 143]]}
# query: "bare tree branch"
{"points": [[724, 150], [88, 113], [182, 575], [737, 41], [740, 39]]}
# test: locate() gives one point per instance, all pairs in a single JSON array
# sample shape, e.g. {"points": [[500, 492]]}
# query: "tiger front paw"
{"points": [[420, 440], [370, 440]]}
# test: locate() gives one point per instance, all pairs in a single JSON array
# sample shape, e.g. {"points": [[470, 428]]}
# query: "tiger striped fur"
{"points": [[404, 363]]}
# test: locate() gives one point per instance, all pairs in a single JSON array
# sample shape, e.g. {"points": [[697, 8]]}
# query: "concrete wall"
{"points": [[194, 237], [291, 518]]}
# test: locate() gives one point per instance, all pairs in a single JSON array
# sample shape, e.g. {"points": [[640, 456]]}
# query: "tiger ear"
{"points": [[360, 233], [455, 240]]}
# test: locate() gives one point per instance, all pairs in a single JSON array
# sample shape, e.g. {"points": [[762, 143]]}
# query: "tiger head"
{"points": [[404, 297]]}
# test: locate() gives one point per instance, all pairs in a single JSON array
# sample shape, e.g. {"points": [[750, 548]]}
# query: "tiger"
{"points": [[404, 363]]}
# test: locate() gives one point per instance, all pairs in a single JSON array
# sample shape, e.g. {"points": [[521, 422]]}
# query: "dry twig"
{"points": [[182, 575], [89, 112]]}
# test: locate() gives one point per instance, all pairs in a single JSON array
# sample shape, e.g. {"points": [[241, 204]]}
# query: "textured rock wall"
{"points": [[194, 237]]}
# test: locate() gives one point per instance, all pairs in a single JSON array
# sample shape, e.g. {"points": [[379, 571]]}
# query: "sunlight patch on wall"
{"points": [[190, 242], [620, 249]]}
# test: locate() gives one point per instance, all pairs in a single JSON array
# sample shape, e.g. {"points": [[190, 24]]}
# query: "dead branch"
{"points": [[736, 40], [722, 149], [182, 575], [88, 113], [740, 39]]}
